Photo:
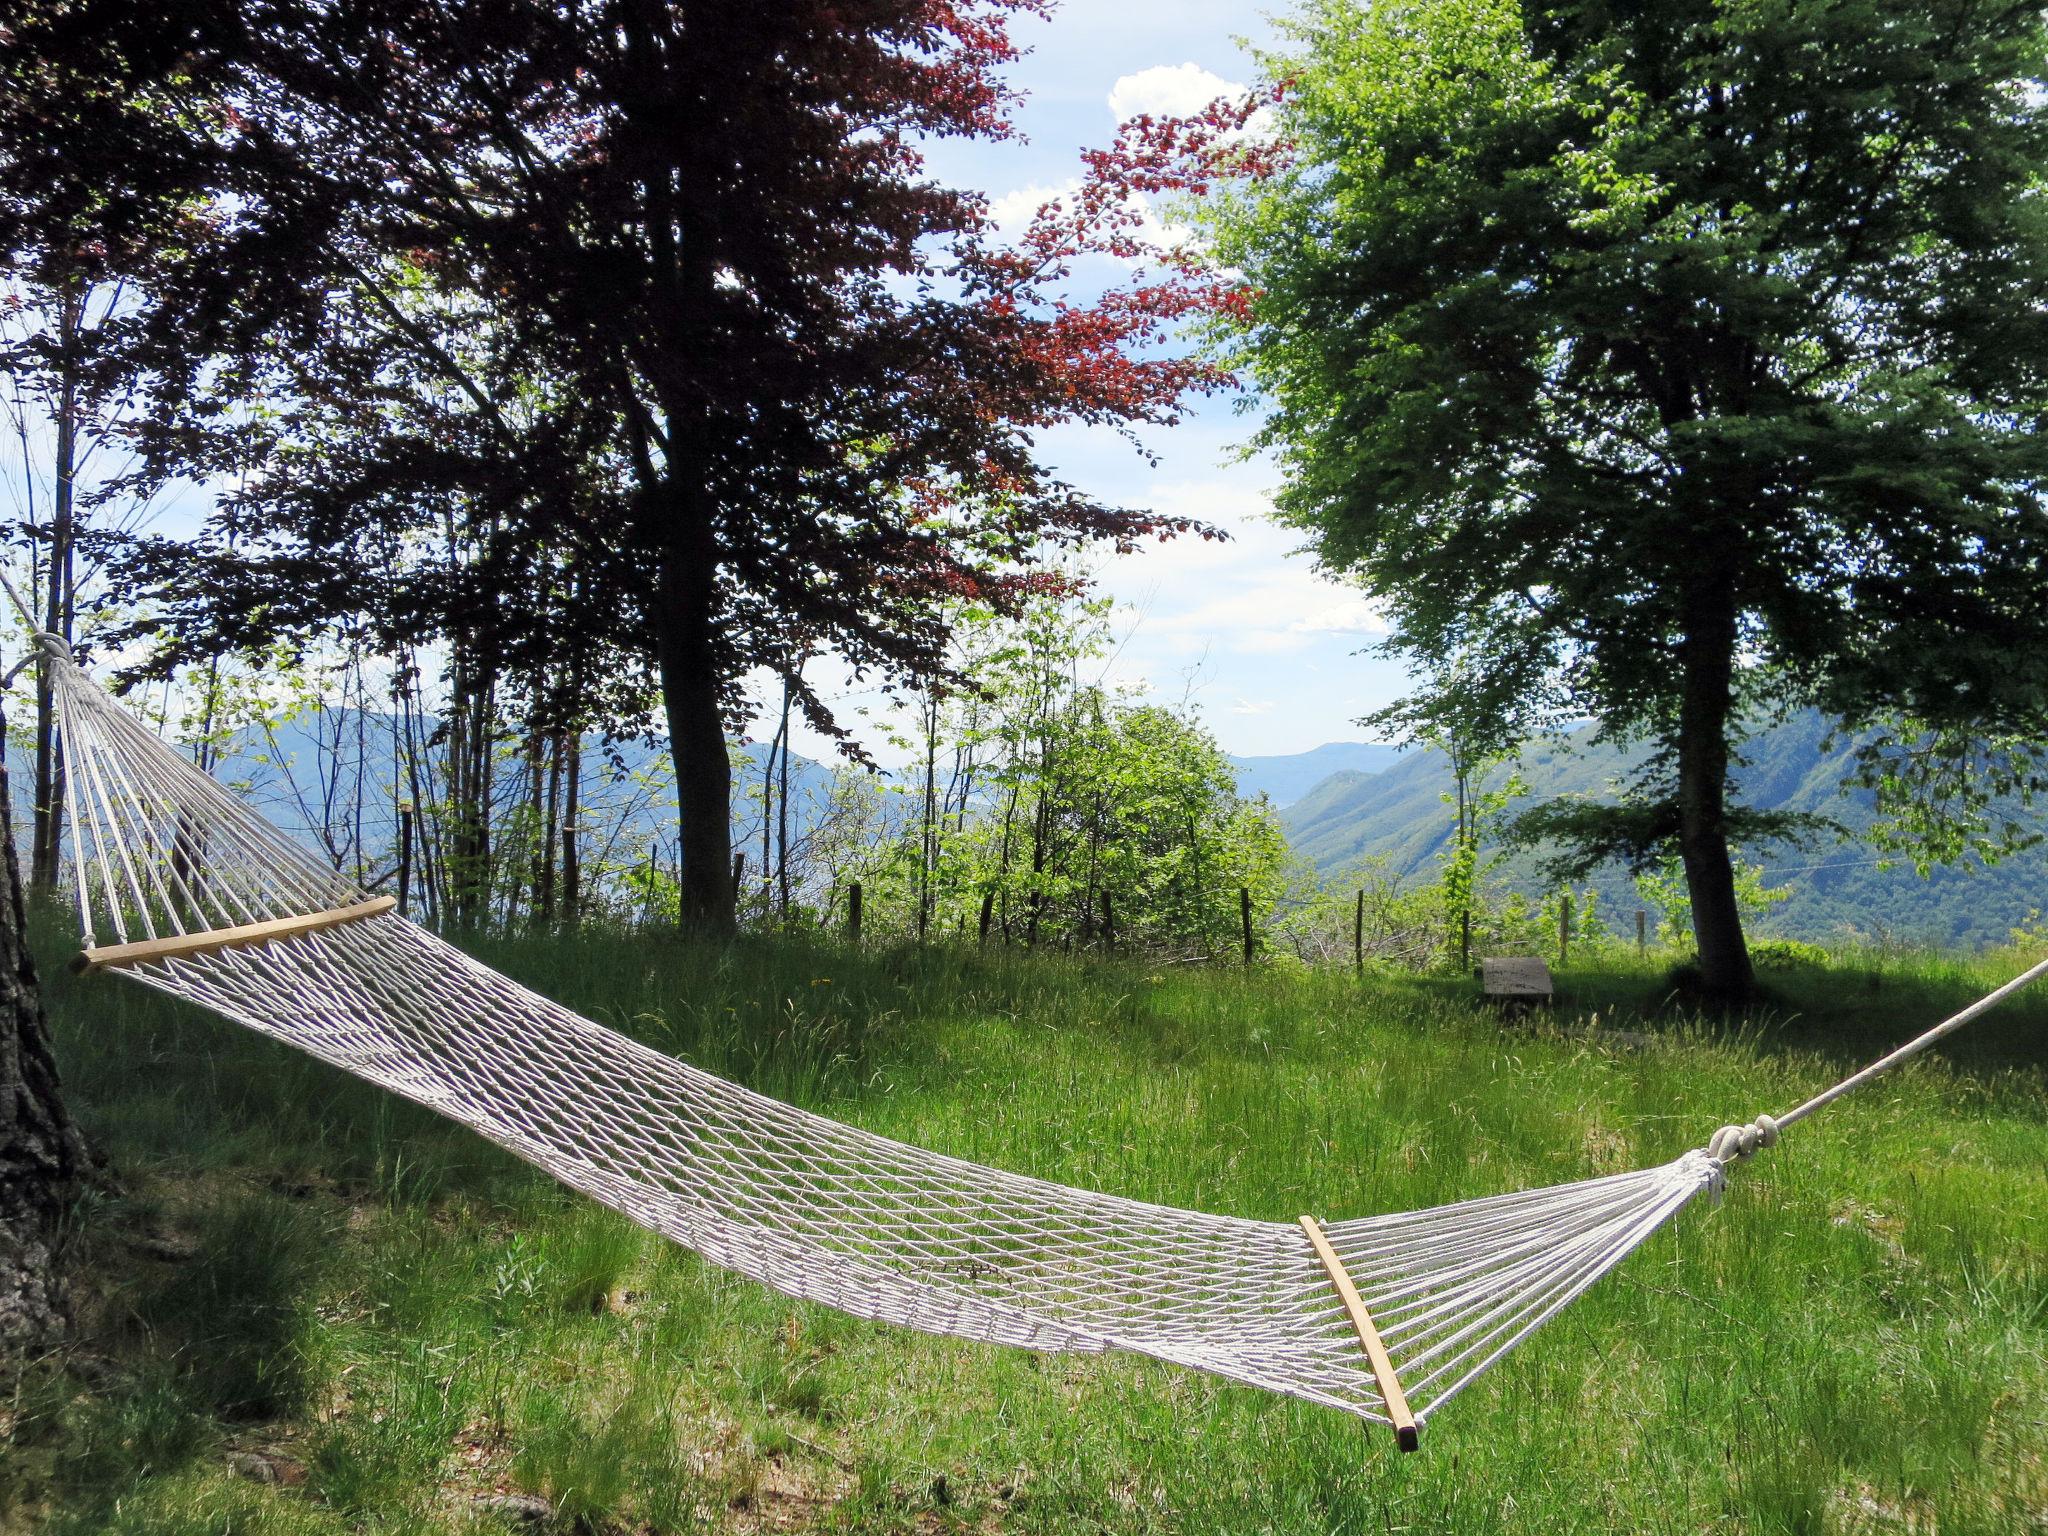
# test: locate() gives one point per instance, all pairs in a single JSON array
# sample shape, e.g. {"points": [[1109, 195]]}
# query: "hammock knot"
{"points": [[1708, 1171], [1733, 1143], [53, 645]]}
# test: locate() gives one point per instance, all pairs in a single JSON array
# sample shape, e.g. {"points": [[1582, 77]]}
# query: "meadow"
{"points": [[310, 1308]]}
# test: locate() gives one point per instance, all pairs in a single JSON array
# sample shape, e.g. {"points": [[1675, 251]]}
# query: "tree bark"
{"points": [[472, 714], [768, 812], [687, 653], [684, 215], [782, 816], [47, 836], [572, 808], [1707, 659], [43, 1156], [928, 846]]}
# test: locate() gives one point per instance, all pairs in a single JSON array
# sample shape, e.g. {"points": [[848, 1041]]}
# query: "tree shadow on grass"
{"points": [[1848, 1016], [229, 1320]]}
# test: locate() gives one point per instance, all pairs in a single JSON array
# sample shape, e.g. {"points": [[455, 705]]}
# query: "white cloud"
{"points": [[1245, 623], [1168, 90], [1165, 90], [1252, 594], [1012, 212]]}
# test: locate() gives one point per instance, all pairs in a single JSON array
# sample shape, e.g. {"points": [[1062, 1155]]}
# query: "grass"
{"points": [[311, 1308]]}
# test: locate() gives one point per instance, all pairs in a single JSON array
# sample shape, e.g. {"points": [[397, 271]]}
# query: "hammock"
{"points": [[1388, 1318]]}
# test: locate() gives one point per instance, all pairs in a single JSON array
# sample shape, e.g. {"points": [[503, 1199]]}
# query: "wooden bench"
{"points": [[1519, 981]]}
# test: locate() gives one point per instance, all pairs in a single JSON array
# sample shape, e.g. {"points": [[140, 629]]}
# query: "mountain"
{"points": [[1342, 802], [305, 772], [1284, 780], [1840, 887]]}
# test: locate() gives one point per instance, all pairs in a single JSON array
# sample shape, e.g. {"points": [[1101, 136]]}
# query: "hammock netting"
{"points": [[810, 1206]]}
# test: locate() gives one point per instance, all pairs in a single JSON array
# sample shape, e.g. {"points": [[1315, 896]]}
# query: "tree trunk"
{"points": [[927, 855], [46, 839], [782, 816], [471, 715], [768, 811], [551, 831], [43, 1157], [686, 651], [572, 808], [1707, 657]]}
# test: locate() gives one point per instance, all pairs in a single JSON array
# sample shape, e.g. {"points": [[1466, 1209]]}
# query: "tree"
{"points": [[1477, 716], [66, 404], [1046, 807], [43, 1156], [712, 226], [1689, 355]]}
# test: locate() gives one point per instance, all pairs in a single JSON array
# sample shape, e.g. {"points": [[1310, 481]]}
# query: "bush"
{"points": [[1786, 955]]}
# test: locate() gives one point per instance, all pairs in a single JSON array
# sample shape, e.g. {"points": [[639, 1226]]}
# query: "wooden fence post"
{"points": [[1642, 932], [739, 873], [1108, 923], [1464, 941], [1358, 934], [988, 913], [1564, 929], [1244, 912], [404, 859], [853, 911]]}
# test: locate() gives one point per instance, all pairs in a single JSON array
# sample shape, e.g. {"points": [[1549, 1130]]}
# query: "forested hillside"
{"points": [[1842, 888]]}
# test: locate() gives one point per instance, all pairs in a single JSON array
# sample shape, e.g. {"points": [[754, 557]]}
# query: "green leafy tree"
{"points": [[1465, 866], [1476, 714], [1166, 835], [1687, 356], [1061, 811], [1948, 795]]}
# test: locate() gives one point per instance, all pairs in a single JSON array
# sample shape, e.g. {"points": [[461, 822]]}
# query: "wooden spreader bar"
{"points": [[209, 941], [1407, 1433]]}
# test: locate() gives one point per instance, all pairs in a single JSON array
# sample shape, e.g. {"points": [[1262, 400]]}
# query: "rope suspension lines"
{"points": [[181, 887]]}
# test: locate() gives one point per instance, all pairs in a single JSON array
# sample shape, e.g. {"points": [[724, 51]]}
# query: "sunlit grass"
{"points": [[406, 1326]]}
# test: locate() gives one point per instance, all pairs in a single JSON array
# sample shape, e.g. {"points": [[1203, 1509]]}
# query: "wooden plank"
{"points": [[1517, 976], [212, 940], [1407, 1432]]}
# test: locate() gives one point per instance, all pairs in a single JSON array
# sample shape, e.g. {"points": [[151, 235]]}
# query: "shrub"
{"points": [[1786, 955]]}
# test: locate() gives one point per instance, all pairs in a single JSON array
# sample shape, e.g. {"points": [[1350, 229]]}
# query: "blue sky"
{"points": [[1265, 647]]}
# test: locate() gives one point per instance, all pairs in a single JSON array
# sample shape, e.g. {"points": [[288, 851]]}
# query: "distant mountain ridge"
{"points": [[1340, 802], [1838, 887], [289, 774], [1285, 779]]}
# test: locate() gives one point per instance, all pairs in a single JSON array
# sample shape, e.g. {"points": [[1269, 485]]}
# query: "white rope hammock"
{"points": [[1388, 1318]]}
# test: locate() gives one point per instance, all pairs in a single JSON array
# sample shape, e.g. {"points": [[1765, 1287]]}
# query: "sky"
{"points": [[1245, 629]]}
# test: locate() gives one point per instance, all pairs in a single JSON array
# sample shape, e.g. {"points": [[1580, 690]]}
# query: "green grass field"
{"points": [[311, 1308]]}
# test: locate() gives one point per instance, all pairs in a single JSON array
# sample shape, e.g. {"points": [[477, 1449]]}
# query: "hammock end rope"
{"points": [[1738, 1143]]}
